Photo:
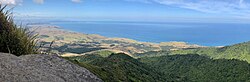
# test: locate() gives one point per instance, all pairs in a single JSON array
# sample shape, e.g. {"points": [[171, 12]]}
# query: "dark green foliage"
{"points": [[151, 54], [119, 68], [239, 51], [201, 69], [78, 50], [103, 53], [14, 39], [182, 68]]}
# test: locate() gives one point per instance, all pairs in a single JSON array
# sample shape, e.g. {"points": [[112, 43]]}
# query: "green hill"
{"points": [[119, 68], [197, 68], [189, 68], [238, 51]]}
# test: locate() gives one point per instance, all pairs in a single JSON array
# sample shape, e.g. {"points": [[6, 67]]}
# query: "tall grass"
{"points": [[15, 39]]}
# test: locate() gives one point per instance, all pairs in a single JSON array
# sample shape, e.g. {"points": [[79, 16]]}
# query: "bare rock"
{"points": [[42, 68]]}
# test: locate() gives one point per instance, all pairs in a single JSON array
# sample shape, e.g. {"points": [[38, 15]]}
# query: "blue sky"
{"points": [[135, 10]]}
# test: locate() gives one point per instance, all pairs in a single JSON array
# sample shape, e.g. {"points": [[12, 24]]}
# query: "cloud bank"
{"points": [[237, 7], [233, 7], [10, 2]]}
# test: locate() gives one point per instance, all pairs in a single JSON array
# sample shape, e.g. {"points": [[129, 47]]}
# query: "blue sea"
{"points": [[206, 34]]}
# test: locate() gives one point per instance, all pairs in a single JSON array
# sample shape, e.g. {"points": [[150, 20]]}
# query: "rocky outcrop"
{"points": [[42, 68]]}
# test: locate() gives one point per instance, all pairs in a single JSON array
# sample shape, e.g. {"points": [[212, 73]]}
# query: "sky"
{"points": [[134, 10]]}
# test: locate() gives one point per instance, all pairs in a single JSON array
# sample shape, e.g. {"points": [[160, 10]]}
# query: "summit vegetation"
{"points": [[15, 39]]}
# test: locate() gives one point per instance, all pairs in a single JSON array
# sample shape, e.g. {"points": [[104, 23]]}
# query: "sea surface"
{"points": [[206, 34]]}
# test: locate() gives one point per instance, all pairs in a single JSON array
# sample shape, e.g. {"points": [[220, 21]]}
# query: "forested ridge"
{"points": [[189, 68], [118, 68], [239, 51], [201, 69]]}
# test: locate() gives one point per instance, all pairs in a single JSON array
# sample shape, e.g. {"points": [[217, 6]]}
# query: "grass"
{"points": [[15, 39]]}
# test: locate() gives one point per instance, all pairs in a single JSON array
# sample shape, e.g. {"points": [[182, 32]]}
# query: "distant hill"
{"points": [[197, 68], [239, 51]]}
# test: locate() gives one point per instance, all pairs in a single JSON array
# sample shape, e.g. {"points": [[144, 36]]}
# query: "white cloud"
{"points": [[10, 2], [233, 7], [76, 1], [236, 7], [38, 1]]}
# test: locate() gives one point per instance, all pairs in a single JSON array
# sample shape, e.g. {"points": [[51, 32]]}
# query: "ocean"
{"points": [[206, 34]]}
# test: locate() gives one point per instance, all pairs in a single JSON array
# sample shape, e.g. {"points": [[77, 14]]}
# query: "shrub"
{"points": [[15, 39]]}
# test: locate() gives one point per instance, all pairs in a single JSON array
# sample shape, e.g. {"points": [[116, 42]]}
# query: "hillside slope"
{"points": [[239, 51], [197, 68], [119, 68], [188, 68], [42, 68]]}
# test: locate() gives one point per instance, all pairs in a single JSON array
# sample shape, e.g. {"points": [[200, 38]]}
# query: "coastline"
{"points": [[80, 43], [117, 38]]}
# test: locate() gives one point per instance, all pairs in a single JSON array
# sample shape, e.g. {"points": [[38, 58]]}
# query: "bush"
{"points": [[15, 39]]}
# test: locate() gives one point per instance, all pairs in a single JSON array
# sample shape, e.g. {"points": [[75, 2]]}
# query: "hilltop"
{"points": [[25, 64], [42, 68]]}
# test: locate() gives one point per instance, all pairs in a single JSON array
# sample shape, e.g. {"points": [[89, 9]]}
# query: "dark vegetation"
{"points": [[15, 39], [76, 48], [120, 67], [201, 69], [238, 51], [152, 54]]}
